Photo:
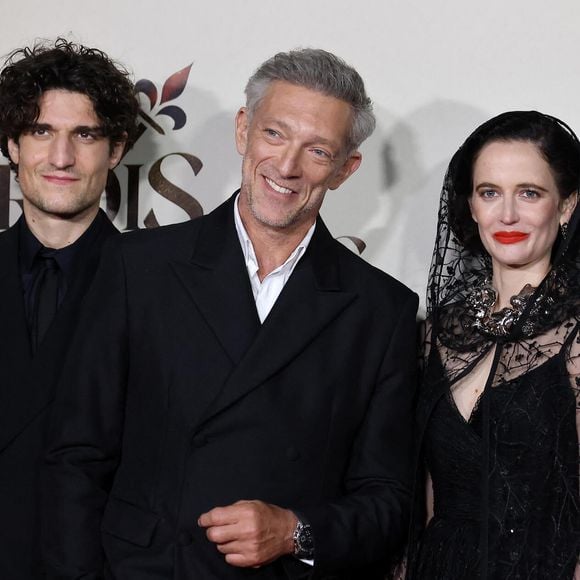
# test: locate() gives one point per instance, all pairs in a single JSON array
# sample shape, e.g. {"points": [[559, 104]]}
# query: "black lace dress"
{"points": [[505, 480], [530, 513]]}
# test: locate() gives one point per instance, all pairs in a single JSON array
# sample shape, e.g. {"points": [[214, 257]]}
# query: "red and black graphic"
{"points": [[172, 89]]}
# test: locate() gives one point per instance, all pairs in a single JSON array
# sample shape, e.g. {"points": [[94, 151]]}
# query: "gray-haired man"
{"points": [[242, 404]]}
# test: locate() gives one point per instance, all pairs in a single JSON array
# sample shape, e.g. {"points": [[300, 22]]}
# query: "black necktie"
{"points": [[46, 297]]}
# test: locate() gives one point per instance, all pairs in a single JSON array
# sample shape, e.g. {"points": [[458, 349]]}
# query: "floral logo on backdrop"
{"points": [[158, 105], [172, 88]]}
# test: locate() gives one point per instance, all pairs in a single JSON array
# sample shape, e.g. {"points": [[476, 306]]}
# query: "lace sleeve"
{"points": [[574, 373], [425, 335], [573, 365]]}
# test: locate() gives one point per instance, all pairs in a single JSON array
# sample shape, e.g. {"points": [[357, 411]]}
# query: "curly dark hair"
{"points": [[555, 141], [31, 71]]}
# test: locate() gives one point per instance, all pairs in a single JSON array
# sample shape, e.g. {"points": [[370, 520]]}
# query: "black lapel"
{"points": [[15, 353], [311, 300], [14, 341], [217, 280]]}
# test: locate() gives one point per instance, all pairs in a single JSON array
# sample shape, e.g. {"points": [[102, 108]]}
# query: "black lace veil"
{"points": [[459, 263]]}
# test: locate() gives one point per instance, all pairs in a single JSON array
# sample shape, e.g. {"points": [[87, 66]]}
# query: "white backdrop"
{"points": [[434, 70]]}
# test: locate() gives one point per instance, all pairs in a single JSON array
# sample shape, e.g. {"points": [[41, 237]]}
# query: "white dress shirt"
{"points": [[266, 292]]}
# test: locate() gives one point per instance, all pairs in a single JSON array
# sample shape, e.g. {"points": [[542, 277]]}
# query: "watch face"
{"points": [[306, 542], [303, 541]]}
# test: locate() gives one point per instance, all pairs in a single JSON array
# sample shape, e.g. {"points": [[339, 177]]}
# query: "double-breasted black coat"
{"points": [[176, 399]]}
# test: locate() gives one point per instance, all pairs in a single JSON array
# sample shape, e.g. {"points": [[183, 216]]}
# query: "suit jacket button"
{"points": [[292, 454], [199, 441], [184, 538]]}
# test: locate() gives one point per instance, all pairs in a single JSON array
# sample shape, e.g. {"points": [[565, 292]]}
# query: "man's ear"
{"points": [[242, 125], [350, 165], [117, 150], [13, 151]]}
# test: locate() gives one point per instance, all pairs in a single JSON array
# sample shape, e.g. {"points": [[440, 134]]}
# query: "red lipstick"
{"points": [[511, 237]]}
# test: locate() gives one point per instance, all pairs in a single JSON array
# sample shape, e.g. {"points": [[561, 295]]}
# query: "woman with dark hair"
{"points": [[498, 409]]}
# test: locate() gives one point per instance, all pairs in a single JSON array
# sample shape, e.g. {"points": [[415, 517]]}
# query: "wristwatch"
{"points": [[303, 541]]}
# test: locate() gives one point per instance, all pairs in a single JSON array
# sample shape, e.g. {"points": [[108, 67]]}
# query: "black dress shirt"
{"points": [[68, 259]]}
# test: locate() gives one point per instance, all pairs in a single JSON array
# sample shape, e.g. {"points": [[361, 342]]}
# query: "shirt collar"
{"points": [[65, 257], [248, 247], [29, 245]]}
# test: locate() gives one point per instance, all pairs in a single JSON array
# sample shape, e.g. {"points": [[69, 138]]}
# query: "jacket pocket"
{"points": [[129, 522]]}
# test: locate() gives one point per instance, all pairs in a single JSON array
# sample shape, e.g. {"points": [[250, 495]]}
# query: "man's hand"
{"points": [[250, 533]]}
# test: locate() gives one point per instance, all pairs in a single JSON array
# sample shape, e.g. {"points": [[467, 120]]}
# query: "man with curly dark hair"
{"points": [[67, 115]]}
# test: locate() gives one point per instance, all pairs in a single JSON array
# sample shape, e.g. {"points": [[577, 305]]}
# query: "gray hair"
{"points": [[320, 71]]}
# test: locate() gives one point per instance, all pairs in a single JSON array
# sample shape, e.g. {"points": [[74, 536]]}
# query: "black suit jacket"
{"points": [[27, 387], [177, 400]]}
